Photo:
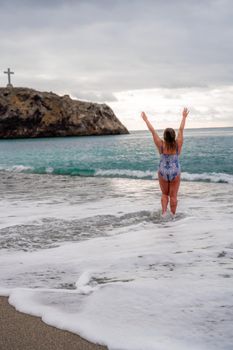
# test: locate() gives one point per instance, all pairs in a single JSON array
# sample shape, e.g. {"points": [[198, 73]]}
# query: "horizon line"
{"points": [[207, 127]]}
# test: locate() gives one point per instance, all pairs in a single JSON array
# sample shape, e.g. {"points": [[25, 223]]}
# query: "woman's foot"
{"points": [[173, 216]]}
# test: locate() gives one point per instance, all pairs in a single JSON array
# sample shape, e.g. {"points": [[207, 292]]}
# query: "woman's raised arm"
{"points": [[157, 139], [182, 125]]}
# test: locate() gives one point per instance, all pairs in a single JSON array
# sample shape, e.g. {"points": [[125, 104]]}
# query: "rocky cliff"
{"points": [[29, 113]]}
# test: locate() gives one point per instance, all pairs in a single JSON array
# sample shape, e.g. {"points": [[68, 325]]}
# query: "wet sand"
{"points": [[19, 331]]}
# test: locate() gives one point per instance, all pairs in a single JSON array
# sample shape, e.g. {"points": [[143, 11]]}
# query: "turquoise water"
{"points": [[207, 155]]}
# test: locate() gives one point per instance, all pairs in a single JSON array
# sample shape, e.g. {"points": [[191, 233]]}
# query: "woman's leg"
{"points": [[164, 185], [173, 191]]}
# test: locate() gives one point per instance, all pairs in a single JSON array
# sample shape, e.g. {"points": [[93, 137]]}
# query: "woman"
{"points": [[169, 166]]}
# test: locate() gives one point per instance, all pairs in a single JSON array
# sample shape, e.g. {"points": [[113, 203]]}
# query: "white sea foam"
{"points": [[20, 168], [210, 177], [159, 297], [127, 173], [139, 174], [149, 285], [49, 170], [83, 284]]}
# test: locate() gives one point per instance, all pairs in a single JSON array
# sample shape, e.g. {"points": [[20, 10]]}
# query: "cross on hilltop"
{"points": [[8, 72]]}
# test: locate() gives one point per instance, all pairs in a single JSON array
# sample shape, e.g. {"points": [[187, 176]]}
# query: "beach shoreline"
{"points": [[20, 331]]}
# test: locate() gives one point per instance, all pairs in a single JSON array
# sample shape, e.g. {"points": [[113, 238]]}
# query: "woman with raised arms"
{"points": [[169, 166]]}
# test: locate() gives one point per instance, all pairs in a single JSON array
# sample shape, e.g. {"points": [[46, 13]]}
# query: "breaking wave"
{"points": [[117, 173]]}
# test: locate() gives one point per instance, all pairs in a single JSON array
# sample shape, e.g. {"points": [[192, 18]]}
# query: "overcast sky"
{"points": [[150, 55]]}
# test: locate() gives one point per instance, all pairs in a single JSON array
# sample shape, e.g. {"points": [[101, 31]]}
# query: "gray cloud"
{"points": [[100, 47], [94, 96]]}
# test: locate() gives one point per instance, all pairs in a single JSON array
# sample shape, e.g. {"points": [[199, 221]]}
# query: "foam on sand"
{"points": [[136, 297]]}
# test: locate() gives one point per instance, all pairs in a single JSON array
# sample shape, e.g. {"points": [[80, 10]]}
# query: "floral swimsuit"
{"points": [[169, 166]]}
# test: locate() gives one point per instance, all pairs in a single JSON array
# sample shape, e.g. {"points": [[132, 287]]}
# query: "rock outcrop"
{"points": [[29, 113]]}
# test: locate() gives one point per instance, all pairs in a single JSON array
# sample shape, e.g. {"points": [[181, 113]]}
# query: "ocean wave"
{"points": [[118, 173], [18, 168], [135, 174], [208, 177], [205, 177]]}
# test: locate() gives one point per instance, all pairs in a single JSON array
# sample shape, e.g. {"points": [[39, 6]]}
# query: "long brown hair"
{"points": [[169, 136]]}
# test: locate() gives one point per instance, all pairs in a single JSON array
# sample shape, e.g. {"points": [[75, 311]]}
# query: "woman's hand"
{"points": [[185, 112], [181, 129], [144, 117]]}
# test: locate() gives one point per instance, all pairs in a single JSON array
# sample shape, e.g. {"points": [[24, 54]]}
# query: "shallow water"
{"points": [[93, 256]]}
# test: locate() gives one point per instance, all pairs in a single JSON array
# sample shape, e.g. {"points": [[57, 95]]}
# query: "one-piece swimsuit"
{"points": [[169, 166]]}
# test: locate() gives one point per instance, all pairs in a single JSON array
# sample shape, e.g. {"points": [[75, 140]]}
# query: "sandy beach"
{"points": [[20, 331]]}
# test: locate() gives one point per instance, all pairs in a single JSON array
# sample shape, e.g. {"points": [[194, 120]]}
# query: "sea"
{"points": [[83, 244]]}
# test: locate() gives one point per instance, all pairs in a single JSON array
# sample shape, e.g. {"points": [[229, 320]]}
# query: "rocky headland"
{"points": [[29, 113]]}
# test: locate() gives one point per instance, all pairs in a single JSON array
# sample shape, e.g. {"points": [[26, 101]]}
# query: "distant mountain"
{"points": [[29, 113]]}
